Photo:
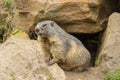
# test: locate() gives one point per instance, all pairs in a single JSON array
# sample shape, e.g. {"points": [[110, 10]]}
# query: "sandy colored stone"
{"points": [[109, 53], [23, 59], [67, 13]]}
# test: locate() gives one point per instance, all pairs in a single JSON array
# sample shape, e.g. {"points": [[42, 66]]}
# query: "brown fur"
{"points": [[63, 48]]}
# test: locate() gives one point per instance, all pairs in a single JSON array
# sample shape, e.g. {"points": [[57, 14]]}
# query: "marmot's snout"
{"points": [[36, 31], [40, 32]]}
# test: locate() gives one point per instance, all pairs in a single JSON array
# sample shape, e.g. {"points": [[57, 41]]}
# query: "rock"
{"points": [[106, 8], [75, 16], [82, 28], [23, 59], [109, 53], [56, 69]]}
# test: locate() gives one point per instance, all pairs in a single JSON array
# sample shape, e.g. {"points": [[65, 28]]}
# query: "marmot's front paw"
{"points": [[51, 62]]}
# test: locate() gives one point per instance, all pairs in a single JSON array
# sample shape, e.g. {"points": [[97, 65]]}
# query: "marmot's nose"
{"points": [[36, 30]]}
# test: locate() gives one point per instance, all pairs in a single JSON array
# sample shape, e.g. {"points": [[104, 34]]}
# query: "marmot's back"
{"points": [[78, 57]]}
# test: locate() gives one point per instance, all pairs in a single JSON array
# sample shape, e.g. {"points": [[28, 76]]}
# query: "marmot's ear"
{"points": [[52, 24]]}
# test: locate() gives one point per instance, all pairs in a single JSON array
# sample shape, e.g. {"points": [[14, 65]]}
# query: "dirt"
{"points": [[91, 74]]}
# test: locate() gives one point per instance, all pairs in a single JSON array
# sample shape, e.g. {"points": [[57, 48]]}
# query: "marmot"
{"points": [[64, 49]]}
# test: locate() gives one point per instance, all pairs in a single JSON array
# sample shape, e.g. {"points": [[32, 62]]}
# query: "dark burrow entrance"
{"points": [[91, 42]]}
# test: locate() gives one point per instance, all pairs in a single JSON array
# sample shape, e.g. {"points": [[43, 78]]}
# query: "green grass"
{"points": [[8, 1], [113, 76], [16, 31]]}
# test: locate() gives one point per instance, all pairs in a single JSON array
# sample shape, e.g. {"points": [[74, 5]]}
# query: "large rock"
{"points": [[109, 54], [23, 59], [75, 16], [106, 8]]}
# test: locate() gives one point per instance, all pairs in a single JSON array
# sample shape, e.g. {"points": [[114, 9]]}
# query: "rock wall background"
{"points": [[75, 16]]}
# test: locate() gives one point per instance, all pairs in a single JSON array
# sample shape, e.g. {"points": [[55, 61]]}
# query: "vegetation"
{"points": [[16, 31], [8, 1], [113, 76]]}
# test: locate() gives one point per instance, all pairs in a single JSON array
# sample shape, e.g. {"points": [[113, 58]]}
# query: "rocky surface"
{"points": [[23, 59], [75, 16], [92, 74], [109, 53]]}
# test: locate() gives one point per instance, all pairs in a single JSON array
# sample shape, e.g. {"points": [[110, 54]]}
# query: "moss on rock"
{"points": [[16, 31], [113, 76], [8, 1]]}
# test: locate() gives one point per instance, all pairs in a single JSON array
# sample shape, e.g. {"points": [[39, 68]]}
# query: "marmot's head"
{"points": [[45, 28]]}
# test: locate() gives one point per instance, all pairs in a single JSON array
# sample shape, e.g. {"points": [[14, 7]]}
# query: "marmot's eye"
{"points": [[44, 25]]}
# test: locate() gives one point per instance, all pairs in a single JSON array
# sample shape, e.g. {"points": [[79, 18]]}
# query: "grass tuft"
{"points": [[113, 76], [8, 1]]}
